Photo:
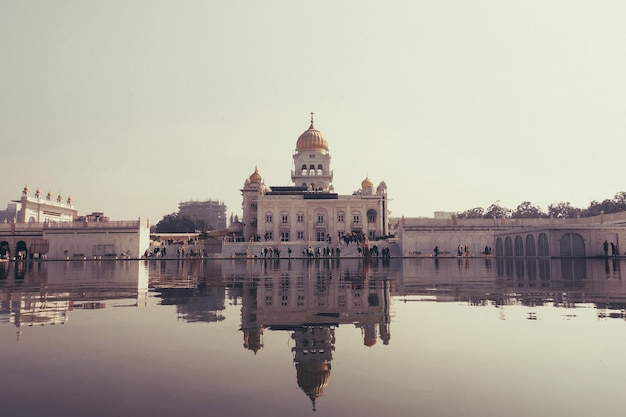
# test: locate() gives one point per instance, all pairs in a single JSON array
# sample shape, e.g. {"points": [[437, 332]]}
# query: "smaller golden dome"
{"points": [[256, 177], [367, 183]]}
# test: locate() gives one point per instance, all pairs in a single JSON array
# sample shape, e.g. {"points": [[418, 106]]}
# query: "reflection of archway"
{"points": [[5, 250], [572, 245], [530, 245], [519, 246], [21, 251]]}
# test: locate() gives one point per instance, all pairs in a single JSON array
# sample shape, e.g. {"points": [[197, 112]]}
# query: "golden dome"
{"points": [[311, 140], [367, 183], [255, 177]]}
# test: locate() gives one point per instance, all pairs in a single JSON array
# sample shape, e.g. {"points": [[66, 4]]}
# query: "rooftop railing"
{"points": [[122, 224]]}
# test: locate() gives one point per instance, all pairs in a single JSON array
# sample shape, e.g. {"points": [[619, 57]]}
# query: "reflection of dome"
{"points": [[255, 177], [313, 378], [252, 340], [367, 183], [311, 140], [369, 342]]}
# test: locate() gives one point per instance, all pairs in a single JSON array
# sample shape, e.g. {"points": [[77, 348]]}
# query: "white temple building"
{"points": [[309, 212]]}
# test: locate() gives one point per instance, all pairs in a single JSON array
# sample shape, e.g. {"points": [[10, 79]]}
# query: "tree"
{"points": [[595, 208], [475, 213], [619, 201], [176, 223], [563, 210], [496, 211], [527, 210]]}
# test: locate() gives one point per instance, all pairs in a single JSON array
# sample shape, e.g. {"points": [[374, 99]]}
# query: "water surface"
{"points": [[448, 337]]}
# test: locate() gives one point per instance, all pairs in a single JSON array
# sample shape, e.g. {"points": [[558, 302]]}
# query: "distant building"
{"points": [[10, 214], [93, 217], [442, 215], [212, 212]]}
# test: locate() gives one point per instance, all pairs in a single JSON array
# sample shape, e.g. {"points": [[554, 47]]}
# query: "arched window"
{"points": [[304, 170], [499, 247], [508, 246], [519, 246], [530, 246], [371, 216], [312, 169], [544, 248], [320, 169]]}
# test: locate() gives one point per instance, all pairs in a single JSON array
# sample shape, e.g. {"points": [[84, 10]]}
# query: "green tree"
{"points": [[563, 210], [475, 213], [596, 208], [497, 211], [177, 223], [527, 210]]}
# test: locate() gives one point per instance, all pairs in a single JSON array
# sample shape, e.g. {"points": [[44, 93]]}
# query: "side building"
{"points": [[49, 228]]}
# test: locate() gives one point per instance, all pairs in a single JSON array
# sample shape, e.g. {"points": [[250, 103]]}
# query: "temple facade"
{"points": [[310, 211]]}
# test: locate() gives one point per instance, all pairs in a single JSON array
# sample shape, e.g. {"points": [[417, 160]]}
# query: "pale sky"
{"points": [[131, 107]]}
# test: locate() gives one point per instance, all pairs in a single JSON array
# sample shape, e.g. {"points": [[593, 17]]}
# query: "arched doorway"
{"points": [[21, 251], [5, 250], [572, 245]]}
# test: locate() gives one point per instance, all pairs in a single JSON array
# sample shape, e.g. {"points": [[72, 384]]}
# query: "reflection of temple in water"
{"points": [[42, 293], [310, 299], [193, 286], [563, 282]]}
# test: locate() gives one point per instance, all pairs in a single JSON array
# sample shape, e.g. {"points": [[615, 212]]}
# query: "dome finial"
{"points": [[311, 120]]}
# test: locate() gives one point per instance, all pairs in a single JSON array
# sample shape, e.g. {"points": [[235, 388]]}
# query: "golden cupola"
{"points": [[255, 177], [312, 140]]}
